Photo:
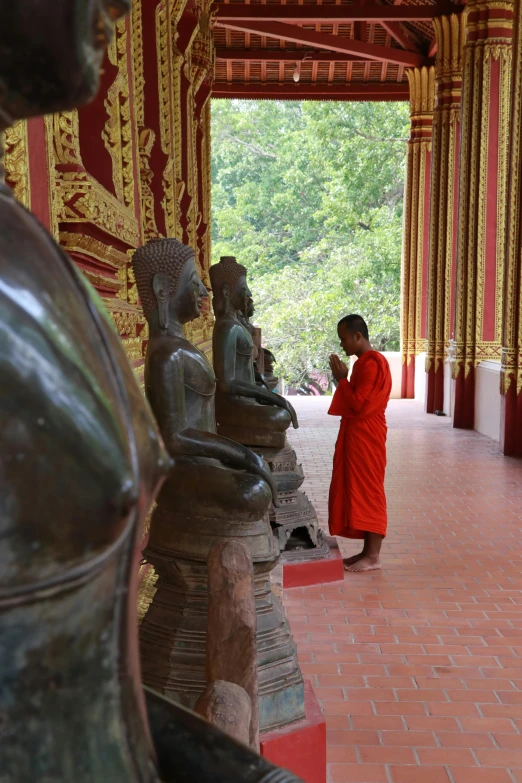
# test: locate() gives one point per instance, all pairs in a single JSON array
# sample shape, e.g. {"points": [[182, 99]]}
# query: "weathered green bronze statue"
{"points": [[218, 489], [80, 463], [256, 416]]}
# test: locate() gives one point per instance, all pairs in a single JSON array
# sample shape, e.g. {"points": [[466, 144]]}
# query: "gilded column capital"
{"points": [[422, 101], [489, 21], [450, 34]]}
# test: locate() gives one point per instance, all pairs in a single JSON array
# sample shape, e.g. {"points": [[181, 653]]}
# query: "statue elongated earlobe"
{"points": [[161, 286]]}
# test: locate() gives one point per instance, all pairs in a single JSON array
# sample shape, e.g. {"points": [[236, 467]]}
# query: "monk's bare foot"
{"points": [[347, 561], [364, 564]]}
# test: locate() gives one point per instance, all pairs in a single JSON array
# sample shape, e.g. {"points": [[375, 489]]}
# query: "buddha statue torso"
{"points": [[246, 412], [199, 381]]}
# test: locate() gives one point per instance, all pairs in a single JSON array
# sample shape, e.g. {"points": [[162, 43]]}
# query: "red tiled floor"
{"points": [[418, 667]]}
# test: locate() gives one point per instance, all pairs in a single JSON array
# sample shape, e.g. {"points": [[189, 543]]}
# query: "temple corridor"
{"points": [[419, 667]]}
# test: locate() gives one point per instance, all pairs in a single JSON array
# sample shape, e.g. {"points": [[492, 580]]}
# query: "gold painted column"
{"points": [[486, 79], [449, 32], [511, 373], [415, 241]]}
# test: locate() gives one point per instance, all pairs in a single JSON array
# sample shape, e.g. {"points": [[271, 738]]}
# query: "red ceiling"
{"points": [[341, 50]]}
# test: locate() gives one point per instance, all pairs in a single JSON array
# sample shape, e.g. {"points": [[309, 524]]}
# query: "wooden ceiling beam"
{"points": [[397, 31], [332, 43], [330, 14], [312, 92], [287, 55]]}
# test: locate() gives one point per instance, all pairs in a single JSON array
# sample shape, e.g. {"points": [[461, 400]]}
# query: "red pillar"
{"points": [[486, 80], [449, 31], [511, 376], [414, 286]]}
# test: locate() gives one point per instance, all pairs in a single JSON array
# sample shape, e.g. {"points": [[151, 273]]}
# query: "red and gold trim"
{"points": [[414, 305], [482, 195], [449, 32], [511, 371]]}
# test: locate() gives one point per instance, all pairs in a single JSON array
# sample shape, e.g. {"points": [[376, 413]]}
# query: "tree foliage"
{"points": [[309, 197]]}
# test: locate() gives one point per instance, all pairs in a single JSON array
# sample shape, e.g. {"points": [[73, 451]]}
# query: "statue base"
{"points": [[173, 631], [300, 748], [294, 521], [309, 571]]}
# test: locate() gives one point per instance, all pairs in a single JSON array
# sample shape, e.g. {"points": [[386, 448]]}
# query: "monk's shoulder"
{"points": [[381, 360]]}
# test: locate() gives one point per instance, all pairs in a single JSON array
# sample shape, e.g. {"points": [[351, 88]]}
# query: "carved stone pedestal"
{"points": [[301, 748], [173, 632], [294, 522]]}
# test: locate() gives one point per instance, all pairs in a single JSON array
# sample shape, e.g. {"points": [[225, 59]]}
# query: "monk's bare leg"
{"points": [[370, 560], [347, 561]]}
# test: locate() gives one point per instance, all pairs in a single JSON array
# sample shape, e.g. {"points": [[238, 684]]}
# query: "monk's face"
{"points": [[51, 52], [348, 340]]}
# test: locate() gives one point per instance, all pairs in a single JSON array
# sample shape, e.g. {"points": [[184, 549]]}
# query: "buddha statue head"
{"points": [[51, 52], [168, 282], [229, 286]]}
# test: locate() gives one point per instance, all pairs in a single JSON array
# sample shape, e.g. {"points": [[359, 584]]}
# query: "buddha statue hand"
{"points": [[255, 464], [287, 405]]}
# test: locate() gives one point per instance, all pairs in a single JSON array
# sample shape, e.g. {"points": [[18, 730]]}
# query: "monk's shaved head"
{"points": [[354, 323]]}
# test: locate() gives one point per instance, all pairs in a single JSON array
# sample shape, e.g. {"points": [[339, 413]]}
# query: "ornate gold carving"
{"points": [[16, 162], [80, 198], [102, 281], [422, 97], [67, 138], [137, 55], [512, 350], [94, 248], [488, 41], [133, 348], [146, 142], [117, 135], [127, 317], [450, 34], [76, 197]]}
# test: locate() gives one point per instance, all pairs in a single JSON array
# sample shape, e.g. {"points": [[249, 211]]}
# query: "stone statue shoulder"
{"points": [[77, 441]]}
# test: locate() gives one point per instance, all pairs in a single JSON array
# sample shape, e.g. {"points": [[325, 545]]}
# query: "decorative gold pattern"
{"points": [[450, 34], [117, 134], [512, 333], [94, 248], [487, 62], [422, 96], [16, 162], [146, 143], [102, 281]]}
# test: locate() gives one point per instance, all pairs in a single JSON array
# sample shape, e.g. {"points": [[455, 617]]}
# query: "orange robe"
{"points": [[357, 502]]}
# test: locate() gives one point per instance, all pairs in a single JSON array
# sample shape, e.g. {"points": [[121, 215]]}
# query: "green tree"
{"points": [[309, 197]]}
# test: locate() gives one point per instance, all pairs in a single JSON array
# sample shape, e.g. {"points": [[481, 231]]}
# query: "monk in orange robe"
{"points": [[357, 502]]}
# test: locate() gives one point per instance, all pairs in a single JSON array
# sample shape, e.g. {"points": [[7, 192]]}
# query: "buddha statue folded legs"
{"points": [[217, 489], [256, 416]]}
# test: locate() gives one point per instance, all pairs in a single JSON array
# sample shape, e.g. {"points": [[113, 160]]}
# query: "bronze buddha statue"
{"points": [[256, 416], [244, 411], [217, 489], [80, 462]]}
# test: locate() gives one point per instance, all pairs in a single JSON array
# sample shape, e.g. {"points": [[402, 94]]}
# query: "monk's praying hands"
{"points": [[339, 369]]}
